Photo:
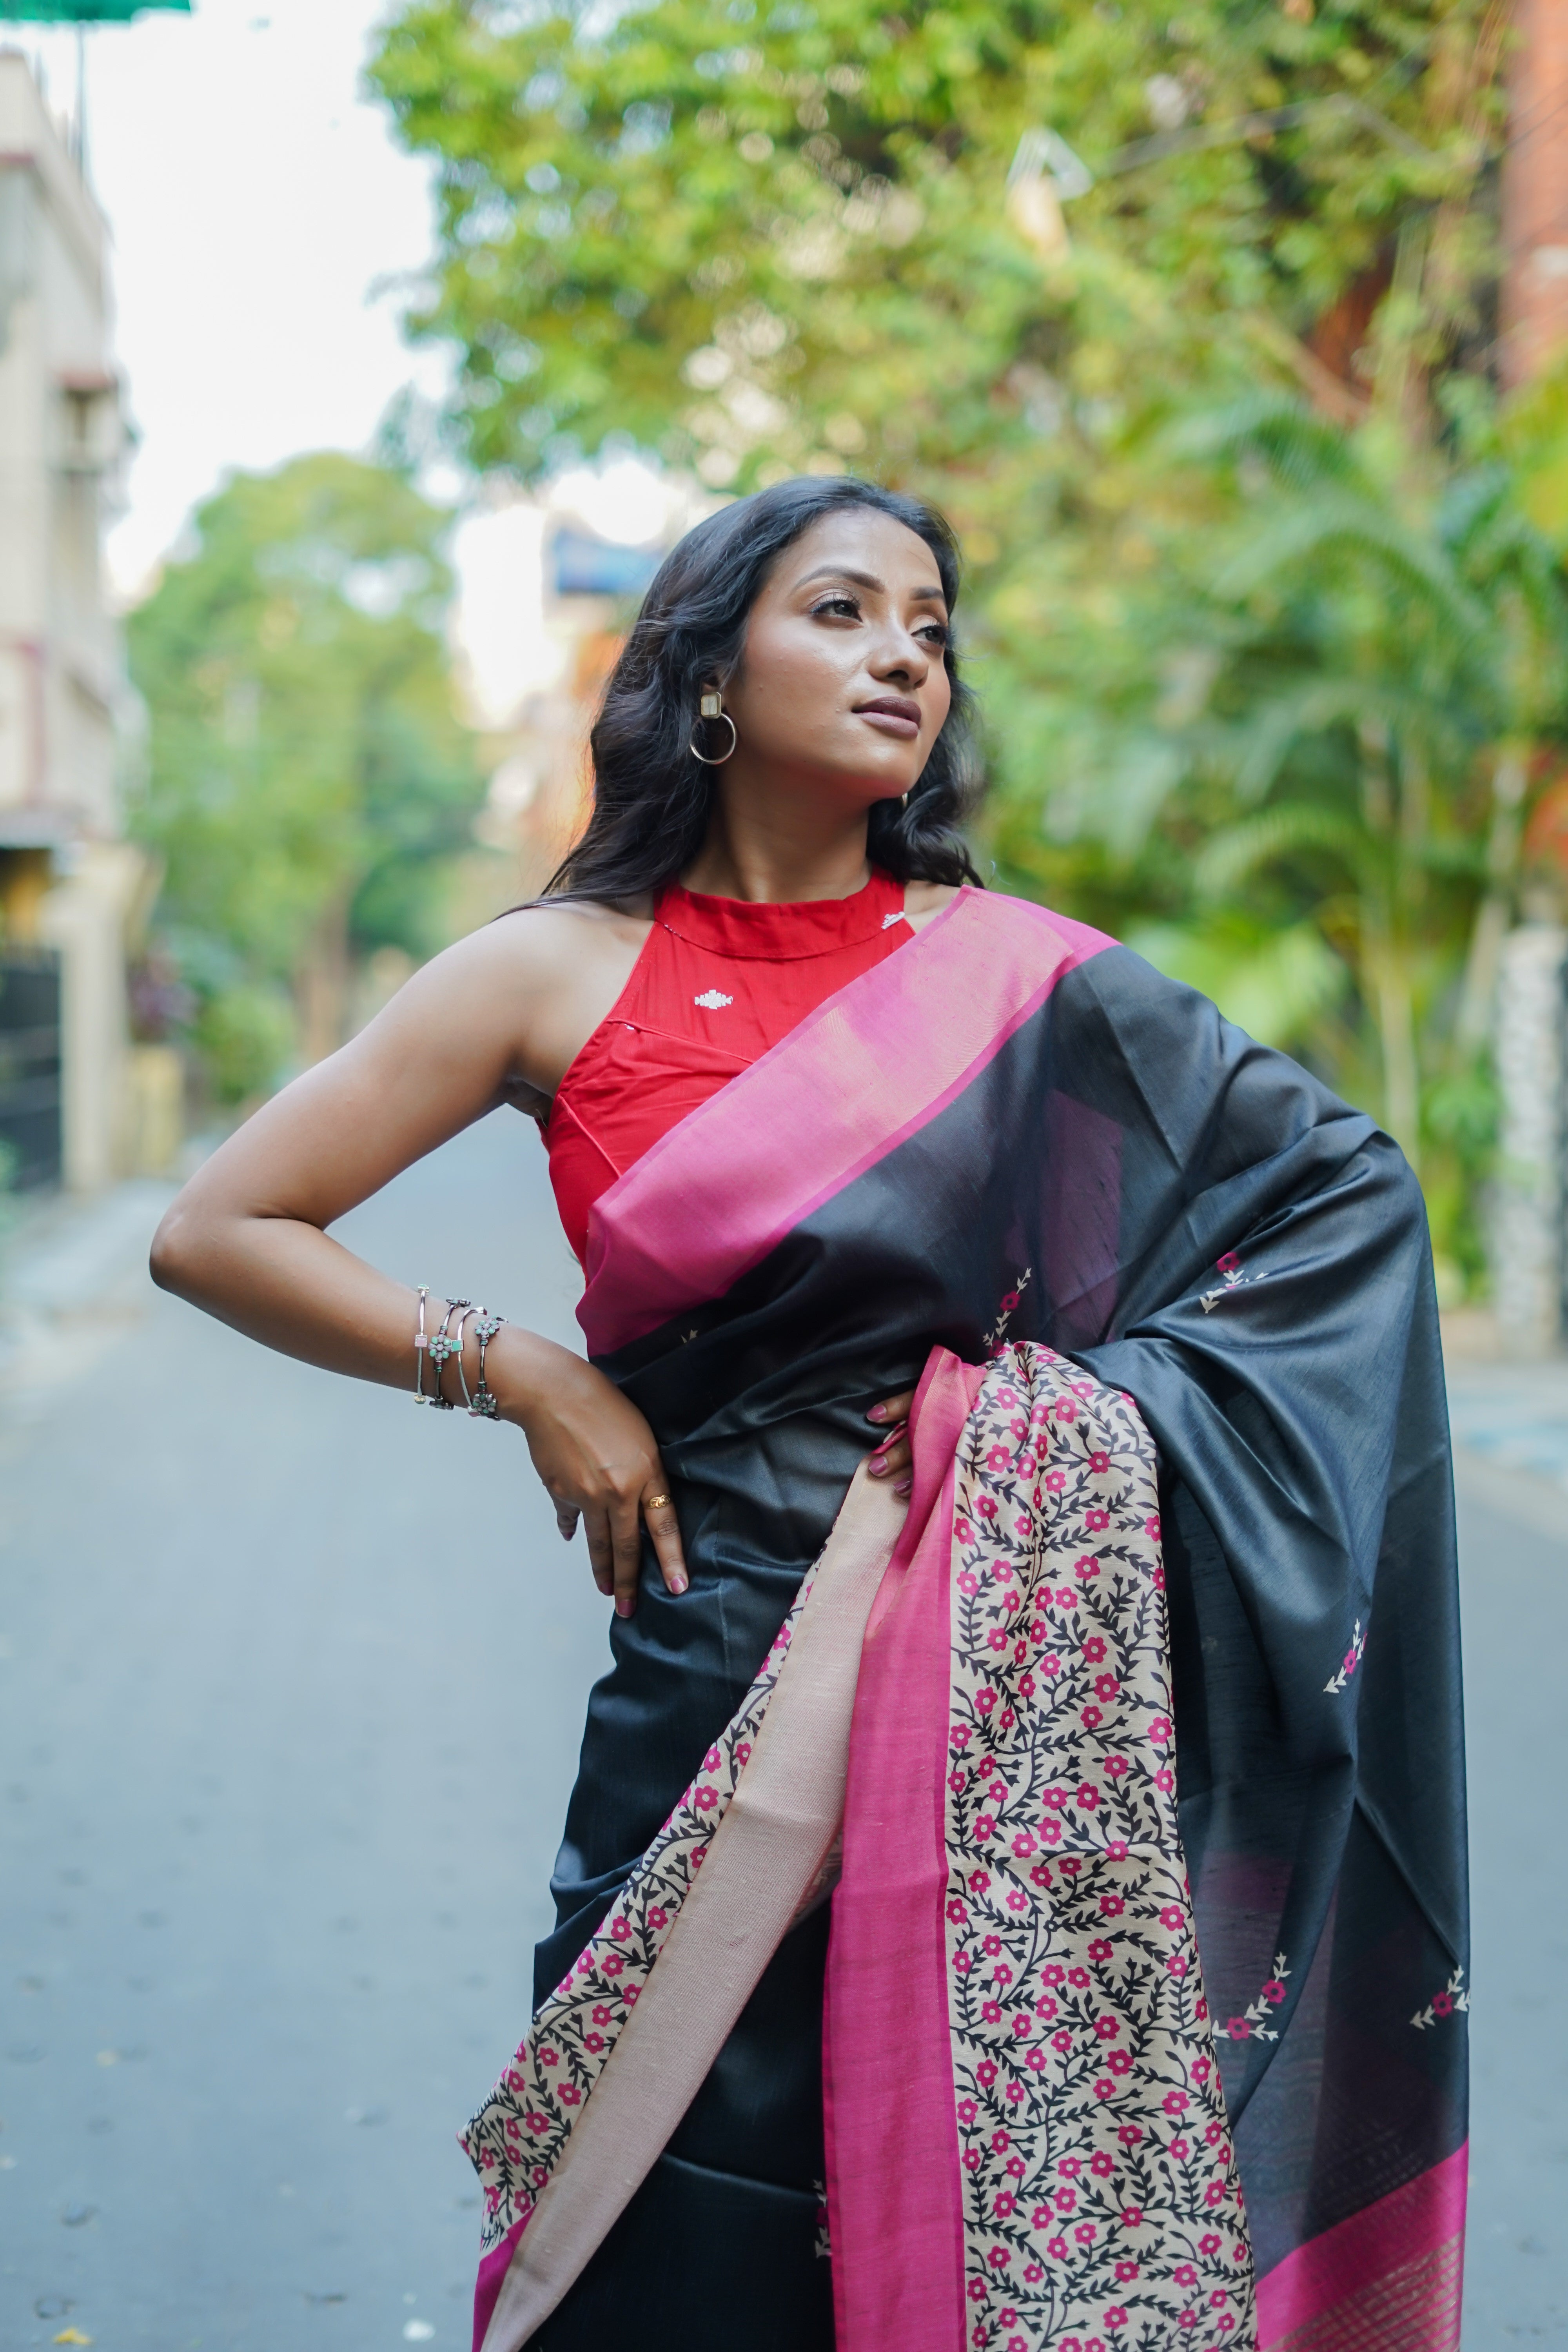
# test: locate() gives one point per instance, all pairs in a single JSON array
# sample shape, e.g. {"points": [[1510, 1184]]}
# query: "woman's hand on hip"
{"points": [[892, 1458], [597, 1457]]}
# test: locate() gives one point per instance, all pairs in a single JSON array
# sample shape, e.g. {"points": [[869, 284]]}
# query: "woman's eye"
{"points": [[936, 634], [838, 605]]}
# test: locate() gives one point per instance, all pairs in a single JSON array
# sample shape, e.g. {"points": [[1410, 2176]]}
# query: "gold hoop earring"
{"points": [[712, 707]]}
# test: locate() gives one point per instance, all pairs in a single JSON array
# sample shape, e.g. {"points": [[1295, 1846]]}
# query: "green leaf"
{"points": [[1236, 851], [1276, 988]]}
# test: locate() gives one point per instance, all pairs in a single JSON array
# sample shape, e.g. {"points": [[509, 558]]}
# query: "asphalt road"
{"points": [[291, 1699], [291, 1681]]}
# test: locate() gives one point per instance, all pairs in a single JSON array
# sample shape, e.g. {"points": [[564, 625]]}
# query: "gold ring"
{"points": [[656, 1502]]}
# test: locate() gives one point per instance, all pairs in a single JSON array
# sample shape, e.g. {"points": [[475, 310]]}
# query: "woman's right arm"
{"points": [[246, 1240]]}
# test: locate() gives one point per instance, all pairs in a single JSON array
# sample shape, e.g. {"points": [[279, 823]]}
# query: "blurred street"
{"points": [[294, 1683], [294, 1677]]}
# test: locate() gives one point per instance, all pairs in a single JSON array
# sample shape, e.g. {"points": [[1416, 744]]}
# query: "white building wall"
{"points": [[61, 675]]}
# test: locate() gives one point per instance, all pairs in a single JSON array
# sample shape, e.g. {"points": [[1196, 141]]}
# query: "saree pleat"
{"points": [[1013, 1131], [719, 2260]]}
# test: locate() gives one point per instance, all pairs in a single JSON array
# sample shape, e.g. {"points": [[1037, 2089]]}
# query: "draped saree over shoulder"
{"points": [[1118, 1783]]}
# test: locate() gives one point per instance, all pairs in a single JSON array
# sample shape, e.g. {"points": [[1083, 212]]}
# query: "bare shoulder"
{"points": [[539, 979], [533, 958], [550, 941]]}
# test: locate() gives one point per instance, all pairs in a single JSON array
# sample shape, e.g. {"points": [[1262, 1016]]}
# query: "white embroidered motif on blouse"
{"points": [[710, 1000]]}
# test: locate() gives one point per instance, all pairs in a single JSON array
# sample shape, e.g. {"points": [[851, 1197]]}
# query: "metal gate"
{"points": [[30, 1065]]}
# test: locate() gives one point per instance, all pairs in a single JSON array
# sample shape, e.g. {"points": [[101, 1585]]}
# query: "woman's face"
{"points": [[842, 681]]}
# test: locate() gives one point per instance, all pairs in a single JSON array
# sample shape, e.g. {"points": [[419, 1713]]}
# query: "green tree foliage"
{"points": [[1292, 735], [307, 777], [1184, 314], [799, 211]]}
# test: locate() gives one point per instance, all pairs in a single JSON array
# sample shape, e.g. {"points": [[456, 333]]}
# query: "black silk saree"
{"points": [[1171, 1636]]}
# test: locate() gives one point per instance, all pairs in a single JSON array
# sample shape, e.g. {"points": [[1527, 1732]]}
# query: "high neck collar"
{"points": [[778, 934]]}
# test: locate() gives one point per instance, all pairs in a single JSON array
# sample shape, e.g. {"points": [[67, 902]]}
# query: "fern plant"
{"points": [[1301, 736]]}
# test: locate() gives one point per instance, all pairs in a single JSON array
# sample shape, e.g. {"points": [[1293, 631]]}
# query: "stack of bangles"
{"points": [[445, 1345]]}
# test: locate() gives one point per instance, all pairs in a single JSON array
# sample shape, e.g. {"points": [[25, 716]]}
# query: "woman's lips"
{"points": [[893, 717]]}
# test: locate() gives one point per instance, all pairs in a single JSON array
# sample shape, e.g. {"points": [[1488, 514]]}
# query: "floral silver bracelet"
{"points": [[459, 1329], [441, 1346], [484, 1404]]}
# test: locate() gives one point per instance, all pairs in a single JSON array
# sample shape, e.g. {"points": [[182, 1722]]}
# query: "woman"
{"points": [[842, 1139]]}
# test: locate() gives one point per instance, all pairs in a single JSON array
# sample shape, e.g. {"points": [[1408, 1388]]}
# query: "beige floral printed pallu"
{"points": [[1028, 2147]]}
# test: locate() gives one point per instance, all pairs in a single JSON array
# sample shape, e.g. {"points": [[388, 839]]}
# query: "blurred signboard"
{"points": [[82, 12], [582, 565]]}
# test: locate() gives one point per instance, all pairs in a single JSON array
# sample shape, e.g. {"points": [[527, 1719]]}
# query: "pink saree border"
{"points": [[895, 2211], [860, 1075], [493, 2268], [1399, 2230]]}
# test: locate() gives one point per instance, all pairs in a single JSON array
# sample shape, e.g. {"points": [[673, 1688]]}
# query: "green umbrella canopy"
{"points": [[82, 12]]}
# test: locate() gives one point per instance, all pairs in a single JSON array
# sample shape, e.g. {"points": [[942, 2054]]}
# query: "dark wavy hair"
{"points": [[652, 797]]}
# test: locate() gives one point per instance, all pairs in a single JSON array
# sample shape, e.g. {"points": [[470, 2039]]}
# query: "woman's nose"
{"points": [[904, 659]]}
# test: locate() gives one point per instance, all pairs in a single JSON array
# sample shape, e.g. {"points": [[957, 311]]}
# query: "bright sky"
{"points": [[257, 201]]}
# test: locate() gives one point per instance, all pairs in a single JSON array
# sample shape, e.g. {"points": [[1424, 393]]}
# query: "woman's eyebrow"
{"points": [[864, 580]]}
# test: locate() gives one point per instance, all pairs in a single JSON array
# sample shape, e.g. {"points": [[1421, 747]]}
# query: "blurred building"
{"points": [[539, 794], [69, 883]]}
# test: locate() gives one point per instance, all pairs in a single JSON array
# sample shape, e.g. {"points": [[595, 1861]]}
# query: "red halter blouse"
{"points": [[718, 982]]}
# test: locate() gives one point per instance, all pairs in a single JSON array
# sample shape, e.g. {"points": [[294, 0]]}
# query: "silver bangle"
{"points": [[421, 1345], [439, 1347], [459, 1329], [484, 1404], [443, 1345]]}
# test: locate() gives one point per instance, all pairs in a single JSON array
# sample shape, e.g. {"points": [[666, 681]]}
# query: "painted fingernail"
{"points": [[878, 1412], [878, 1465], [624, 1604], [903, 1491], [677, 1584]]}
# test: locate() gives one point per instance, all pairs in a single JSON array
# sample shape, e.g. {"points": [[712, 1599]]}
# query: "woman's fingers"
{"points": [[601, 1549], [664, 1528], [625, 1538], [892, 1457], [596, 1456], [613, 1532], [614, 1525]]}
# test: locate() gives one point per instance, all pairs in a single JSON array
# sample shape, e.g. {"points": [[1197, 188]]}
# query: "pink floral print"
{"points": [[1233, 1275], [1348, 1664], [1006, 1312], [1453, 1998], [1101, 2208], [1101, 2198], [1253, 2025]]}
